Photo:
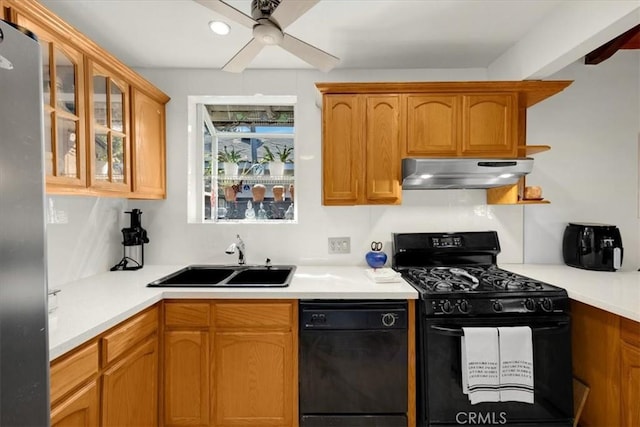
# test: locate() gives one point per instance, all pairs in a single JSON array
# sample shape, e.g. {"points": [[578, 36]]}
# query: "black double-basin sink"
{"points": [[224, 276]]}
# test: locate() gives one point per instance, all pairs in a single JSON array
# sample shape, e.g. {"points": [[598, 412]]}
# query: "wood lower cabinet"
{"points": [[253, 378], [630, 372], [361, 149], [120, 388], [78, 410], [187, 364], [230, 363], [606, 357], [130, 388]]}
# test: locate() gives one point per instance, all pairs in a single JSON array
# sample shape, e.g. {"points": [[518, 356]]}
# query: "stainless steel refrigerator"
{"points": [[24, 354]]}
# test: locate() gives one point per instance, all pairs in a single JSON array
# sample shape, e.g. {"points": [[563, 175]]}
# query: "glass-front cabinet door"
{"points": [[109, 157], [63, 92]]}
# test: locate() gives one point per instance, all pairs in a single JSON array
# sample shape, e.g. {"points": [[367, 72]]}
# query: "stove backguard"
{"points": [[444, 249]]}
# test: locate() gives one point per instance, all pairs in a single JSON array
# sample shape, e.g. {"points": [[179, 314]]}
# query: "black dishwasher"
{"points": [[353, 363]]}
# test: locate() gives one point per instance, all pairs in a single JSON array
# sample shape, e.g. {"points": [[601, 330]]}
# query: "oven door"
{"points": [[442, 402]]}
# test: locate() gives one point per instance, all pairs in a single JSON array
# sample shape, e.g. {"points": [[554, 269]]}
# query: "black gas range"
{"points": [[461, 286], [457, 274]]}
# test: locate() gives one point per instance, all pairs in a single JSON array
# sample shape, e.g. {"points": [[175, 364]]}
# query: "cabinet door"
{"points": [[489, 125], [432, 125], [149, 163], [630, 372], [186, 378], [109, 150], [130, 388], [382, 143], [342, 149], [78, 410], [254, 379], [63, 94], [595, 344]]}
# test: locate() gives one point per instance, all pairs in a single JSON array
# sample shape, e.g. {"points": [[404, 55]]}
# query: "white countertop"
{"points": [[90, 306], [616, 292]]}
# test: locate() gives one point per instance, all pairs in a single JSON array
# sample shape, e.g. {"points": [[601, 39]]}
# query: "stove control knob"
{"points": [[547, 304], [530, 304], [497, 306], [447, 307], [463, 306], [389, 319]]}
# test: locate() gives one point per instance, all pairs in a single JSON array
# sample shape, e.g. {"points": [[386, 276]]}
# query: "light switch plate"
{"points": [[339, 245]]}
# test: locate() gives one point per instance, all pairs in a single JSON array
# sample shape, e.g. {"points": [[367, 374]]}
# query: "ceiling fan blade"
{"points": [[290, 10], [228, 11], [310, 54], [241, 59]]}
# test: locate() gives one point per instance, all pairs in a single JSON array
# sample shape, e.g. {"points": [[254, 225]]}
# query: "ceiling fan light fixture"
{"points": [[219, 27], [268, 34]]}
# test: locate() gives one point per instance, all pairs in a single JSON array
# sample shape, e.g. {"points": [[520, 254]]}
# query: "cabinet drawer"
{"points": [[72, 370], [186, 314], [254, 314], [127, 334]]}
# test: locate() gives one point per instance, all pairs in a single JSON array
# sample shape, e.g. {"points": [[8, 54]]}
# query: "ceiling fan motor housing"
{"points": [[266, 32]]}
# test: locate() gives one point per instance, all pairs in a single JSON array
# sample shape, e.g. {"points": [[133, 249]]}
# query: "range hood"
{"points": [[461, 172]]}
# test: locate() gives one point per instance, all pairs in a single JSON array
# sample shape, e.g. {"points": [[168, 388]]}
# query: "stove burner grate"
{"points": [[504, 280], [469, 279]]}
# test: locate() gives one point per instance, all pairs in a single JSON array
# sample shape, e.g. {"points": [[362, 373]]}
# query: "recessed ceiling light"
{"points": [[219, 27]]}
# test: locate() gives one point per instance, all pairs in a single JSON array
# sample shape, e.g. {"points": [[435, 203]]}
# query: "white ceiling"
{"points": [[364, 34]]}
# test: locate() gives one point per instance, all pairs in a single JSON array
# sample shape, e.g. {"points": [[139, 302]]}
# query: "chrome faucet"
{"points": [[239, 246]]}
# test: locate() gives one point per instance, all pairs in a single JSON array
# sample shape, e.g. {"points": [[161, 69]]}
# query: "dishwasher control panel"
{"points": [[345, 316]]}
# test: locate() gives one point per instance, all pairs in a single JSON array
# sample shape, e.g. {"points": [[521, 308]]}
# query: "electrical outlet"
{"points": [[339, 245]]}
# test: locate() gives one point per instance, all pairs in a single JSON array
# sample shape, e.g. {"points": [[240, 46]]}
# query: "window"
{"points": [[244, 152]]}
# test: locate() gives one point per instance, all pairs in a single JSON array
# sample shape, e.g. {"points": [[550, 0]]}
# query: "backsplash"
{"points": [[83, 236]]}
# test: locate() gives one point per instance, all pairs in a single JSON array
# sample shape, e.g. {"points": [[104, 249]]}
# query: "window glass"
{"points": [[248, 162]]}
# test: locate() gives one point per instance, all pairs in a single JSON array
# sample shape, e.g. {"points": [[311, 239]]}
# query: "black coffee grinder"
{"points": [[133, 242]]}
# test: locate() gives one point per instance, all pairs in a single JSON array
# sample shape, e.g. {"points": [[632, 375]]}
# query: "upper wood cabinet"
{"points": [[149, 180], [449, 125], [109, 130], [433, 125], [95, 143], [361, 149], [367, 128], [64, 101]]}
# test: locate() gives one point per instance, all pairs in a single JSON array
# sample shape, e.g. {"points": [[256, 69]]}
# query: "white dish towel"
{"points": [[516, 364], [480, 365]]}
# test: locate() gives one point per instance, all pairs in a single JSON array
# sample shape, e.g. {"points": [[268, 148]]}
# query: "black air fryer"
{"points": [[592, 246]]}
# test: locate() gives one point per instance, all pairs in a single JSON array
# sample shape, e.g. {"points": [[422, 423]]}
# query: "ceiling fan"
{"points": [[268, 18]]}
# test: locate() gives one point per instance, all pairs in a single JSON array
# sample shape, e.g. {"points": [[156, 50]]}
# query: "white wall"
{"points": [[173, 240], [590, 173]]}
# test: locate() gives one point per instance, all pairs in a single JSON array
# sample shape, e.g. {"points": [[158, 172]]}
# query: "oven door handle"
{"points": [[457, 332]]}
